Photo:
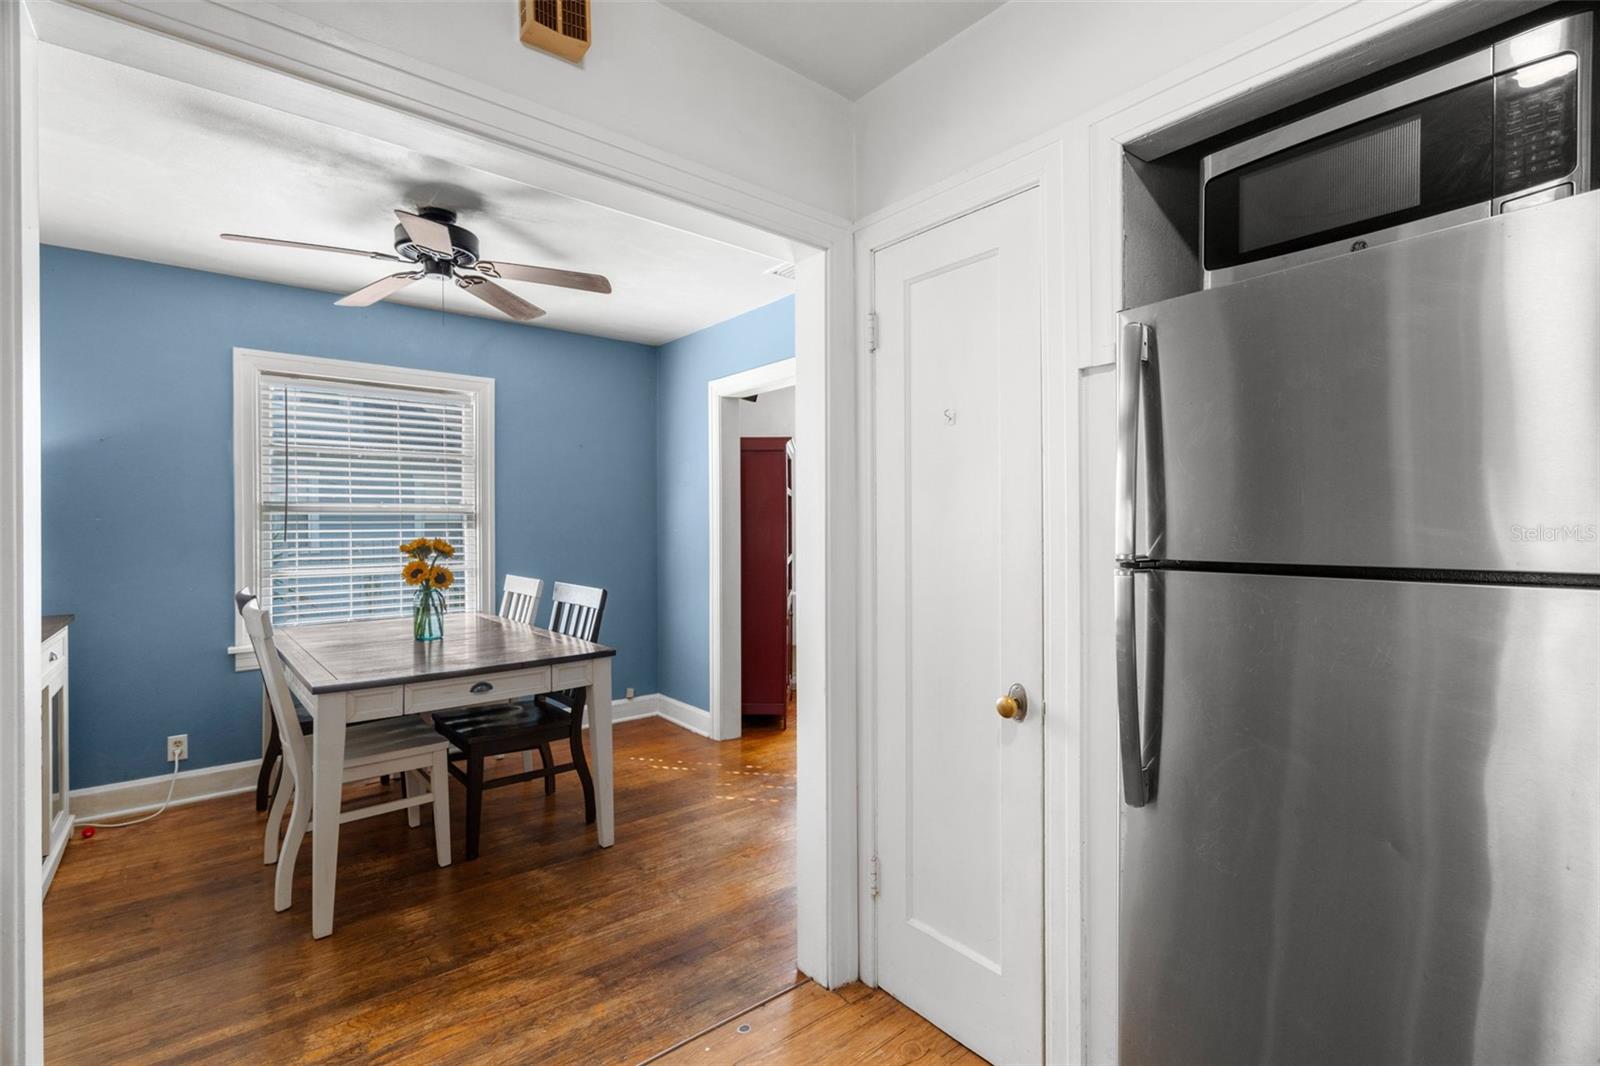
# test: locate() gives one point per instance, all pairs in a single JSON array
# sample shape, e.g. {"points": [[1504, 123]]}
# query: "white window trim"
{"points": [[248, 366]]}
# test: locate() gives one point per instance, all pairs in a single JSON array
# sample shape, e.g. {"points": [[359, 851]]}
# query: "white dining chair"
{"points": [[519, 598], [405, 745]]}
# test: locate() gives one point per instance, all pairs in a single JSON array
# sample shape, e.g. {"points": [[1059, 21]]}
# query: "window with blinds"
{"points": [[346, 472]]}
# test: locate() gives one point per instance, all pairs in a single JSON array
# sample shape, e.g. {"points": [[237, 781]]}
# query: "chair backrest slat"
{"points": [[577, 610], [519, 600], [297, 757]]}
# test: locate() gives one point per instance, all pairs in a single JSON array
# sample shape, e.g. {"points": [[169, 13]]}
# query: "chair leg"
{"points": [[549, 761], [408, 781], [581, 763], [283, 883], [280, 800], [269, 759], [474, 802], [440, 784]]}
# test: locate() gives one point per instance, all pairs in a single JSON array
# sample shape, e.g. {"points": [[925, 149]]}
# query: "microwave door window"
{"points": [[1363, 176], [1424, 159]]}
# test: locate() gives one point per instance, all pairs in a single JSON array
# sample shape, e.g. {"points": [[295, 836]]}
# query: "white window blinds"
{"points": [[346, 473]]}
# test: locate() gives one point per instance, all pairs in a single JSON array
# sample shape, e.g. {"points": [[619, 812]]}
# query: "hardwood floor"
{"points": [[161, 943], [813, 1025]]}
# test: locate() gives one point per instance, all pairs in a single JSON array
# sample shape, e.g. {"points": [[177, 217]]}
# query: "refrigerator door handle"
{"points": [[1135, 772], [1132, 354]]}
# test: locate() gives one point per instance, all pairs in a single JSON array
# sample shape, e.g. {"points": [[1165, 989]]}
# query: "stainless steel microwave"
{"points": [[1504, 128]]}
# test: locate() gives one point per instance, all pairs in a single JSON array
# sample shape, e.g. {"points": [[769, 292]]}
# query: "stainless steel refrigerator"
{"points": [[1358, 635]]}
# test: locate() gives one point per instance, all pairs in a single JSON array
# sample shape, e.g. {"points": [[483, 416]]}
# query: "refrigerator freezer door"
{"points": [[1433, 403], [1374, 828]]}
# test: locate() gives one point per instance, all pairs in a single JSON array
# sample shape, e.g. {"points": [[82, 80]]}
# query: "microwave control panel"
{"points": [[1536, 124]]}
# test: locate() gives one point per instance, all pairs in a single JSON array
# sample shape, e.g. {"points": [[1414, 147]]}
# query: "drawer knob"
{"points": [[482, 686], [54, 656]]}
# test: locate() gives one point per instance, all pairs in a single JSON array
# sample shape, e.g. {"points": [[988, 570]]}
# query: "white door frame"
{"points": [[279, 59], [21, 926], [723, 396], [1077, 167]]}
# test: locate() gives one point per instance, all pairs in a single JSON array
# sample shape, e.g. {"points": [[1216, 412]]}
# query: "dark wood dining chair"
{"points": [[528, 725]]}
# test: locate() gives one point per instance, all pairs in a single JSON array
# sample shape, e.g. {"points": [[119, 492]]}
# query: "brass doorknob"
{"points": [[1013, 706]]}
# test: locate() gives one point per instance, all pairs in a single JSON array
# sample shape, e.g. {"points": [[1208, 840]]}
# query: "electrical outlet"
{"points": [[629, 695], [178, 747]]}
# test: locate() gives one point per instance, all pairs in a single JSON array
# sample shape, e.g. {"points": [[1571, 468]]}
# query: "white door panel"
{"points": [[959, 554]]}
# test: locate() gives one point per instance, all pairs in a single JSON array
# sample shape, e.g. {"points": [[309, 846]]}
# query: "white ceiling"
{"points": [[136, 165], [850, 46]]}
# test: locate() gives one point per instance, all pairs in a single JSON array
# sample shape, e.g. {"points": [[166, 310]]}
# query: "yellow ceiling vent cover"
{"points": [[560, 27]]}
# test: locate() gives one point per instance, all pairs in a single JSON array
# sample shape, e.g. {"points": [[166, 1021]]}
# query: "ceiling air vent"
{"points": [[560, 27], [782, 270]]}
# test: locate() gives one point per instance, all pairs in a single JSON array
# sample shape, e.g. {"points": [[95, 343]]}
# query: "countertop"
{"points": [[52, 624]]}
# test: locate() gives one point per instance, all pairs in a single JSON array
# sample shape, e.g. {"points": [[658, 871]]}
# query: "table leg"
{"points": [[327, 759], [600, 737]]}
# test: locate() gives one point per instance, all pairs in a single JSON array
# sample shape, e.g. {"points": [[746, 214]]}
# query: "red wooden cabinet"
{"points": [[764, 575]]}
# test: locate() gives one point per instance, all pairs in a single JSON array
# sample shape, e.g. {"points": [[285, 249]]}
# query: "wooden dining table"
{"points": [[351, 672]]}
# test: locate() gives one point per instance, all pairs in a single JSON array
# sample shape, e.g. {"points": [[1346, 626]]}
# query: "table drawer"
{"points": [[572, 675], [492, 688], [367, 705], [53, 657]]}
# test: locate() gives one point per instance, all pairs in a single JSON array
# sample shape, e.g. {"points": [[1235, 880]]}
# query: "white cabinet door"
{"points": [[959, 620]]}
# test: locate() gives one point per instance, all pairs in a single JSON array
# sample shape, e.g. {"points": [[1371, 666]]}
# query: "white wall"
{"points": [[772, 415], [652, 75], [1020, 72]]}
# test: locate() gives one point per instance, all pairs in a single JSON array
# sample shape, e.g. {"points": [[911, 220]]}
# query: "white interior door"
{"points": [[959, 620]]}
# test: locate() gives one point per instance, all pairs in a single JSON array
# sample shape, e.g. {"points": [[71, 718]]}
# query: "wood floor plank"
{"points": [[770, 1025], [811, 1025]]}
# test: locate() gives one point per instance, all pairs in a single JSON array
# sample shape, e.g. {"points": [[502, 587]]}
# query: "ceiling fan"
{"points": [[430, 240]]}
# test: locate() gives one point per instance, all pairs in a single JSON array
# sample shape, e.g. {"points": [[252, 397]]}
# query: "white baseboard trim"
{"points": [[657, 705], [146, 794], [102, 802], [694, 719], [630, 710]]}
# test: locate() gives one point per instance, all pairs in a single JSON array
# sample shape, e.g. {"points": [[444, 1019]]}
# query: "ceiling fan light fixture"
{"points": [[430, 240], [431, 233]]}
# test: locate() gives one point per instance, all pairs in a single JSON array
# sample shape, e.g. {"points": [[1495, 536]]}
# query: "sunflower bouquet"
{"points": [[425, 570]]}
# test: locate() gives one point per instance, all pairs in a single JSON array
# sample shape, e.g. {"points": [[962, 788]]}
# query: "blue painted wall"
{"points": [[138, 482], [755, 338]]}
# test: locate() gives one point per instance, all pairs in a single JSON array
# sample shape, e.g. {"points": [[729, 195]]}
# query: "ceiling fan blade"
{"points": [[273, 241], [379, 289], [498, 298], [428, 234], [567, 279]]}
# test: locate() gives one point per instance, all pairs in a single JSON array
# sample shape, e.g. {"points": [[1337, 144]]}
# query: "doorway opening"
{"points": [[751, 425]]}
